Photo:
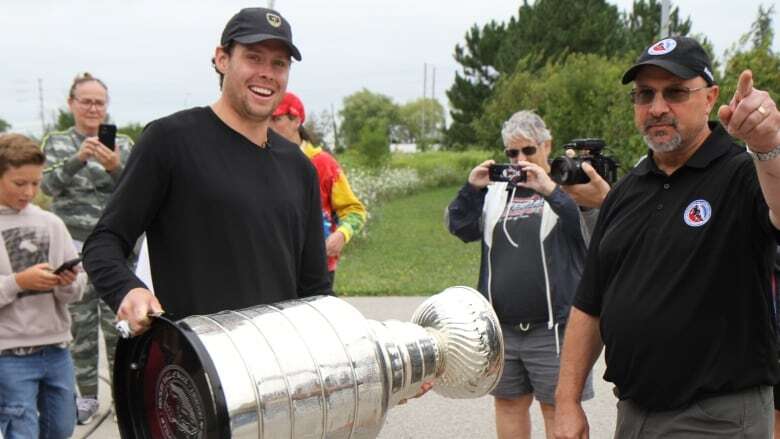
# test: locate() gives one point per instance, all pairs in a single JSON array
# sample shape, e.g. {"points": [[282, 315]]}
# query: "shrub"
{"points": [[372, 187], [373, 146], [442, 168], [407, 174]]}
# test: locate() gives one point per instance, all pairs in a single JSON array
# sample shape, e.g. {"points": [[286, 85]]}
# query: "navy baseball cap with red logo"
{"points": [[681, 56], [253, 25]]}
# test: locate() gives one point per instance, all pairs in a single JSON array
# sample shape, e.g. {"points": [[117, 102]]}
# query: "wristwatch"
{"points": [[764, 156]]}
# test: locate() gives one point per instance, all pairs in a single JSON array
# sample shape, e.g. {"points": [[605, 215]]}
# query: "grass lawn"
{"points": [[408, 251]]}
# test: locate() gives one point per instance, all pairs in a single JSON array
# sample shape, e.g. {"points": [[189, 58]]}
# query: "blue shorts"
{"points": [[531, 364]]}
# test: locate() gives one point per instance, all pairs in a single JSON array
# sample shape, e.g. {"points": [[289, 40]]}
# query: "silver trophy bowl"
{"points": [[309, 368]]}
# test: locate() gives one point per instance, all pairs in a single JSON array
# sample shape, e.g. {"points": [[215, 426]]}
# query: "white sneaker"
{"points": [[86, 409]]}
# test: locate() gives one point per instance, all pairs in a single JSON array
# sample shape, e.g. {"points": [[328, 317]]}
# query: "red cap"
{"points": [[291, 105]]}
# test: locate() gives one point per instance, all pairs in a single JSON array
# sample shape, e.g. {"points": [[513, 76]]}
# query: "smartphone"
{"points": [[67, 265], [107, 135], [506, 172]]}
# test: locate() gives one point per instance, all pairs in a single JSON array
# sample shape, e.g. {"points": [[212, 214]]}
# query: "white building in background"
{"points": [[409, 148]]}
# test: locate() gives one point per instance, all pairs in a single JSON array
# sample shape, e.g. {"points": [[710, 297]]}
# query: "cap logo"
{"points": [[273, 19], [708, 73], [697, 213], [662, 47]]}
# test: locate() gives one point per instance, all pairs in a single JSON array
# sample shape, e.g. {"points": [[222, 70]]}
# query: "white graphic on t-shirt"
{"points": [[26, 246], [523, 207]]}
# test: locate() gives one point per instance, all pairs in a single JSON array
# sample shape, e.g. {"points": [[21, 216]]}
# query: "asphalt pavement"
{"points": [[428, 417]]}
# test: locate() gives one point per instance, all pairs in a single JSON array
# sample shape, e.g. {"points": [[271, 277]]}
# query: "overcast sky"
{"points": [[155, 54]]}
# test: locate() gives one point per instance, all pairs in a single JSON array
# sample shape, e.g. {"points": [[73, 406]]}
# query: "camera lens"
{"points": [[562, 170], [568, 171]]}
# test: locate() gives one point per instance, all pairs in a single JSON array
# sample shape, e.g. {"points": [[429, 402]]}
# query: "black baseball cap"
{"points": [[253, 25], [682, 56]]}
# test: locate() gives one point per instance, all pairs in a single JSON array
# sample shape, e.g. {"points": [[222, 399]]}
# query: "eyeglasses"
{"points": [[676, 94], [514, 152], [89, 103]]}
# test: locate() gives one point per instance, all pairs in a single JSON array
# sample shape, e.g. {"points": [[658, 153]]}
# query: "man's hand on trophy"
{"points": [[424, 388], [134, 312]]}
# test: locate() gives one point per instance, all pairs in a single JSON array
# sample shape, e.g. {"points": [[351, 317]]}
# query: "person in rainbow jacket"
{"points": [[343, 214]]}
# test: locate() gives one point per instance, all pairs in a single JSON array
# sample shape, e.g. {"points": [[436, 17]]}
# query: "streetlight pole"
{"points": [[420, 140], [665, 10]]}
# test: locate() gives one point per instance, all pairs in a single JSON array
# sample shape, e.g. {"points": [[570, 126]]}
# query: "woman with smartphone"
{"points": [[83, 164]]}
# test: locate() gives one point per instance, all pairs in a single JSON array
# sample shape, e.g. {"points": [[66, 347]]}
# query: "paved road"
{"points": [[429, 417]]}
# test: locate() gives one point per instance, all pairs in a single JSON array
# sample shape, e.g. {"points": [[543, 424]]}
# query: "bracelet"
{"points": [[764, 156]]}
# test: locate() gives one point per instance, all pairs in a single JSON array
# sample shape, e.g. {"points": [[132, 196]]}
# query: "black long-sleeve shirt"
{"points": [[229, 225]]}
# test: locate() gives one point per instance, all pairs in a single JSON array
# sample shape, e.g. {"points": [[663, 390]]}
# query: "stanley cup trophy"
{"points": [[309, 368]]}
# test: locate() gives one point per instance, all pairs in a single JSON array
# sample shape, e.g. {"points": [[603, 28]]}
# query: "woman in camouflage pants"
{"points": [[80, 176]]}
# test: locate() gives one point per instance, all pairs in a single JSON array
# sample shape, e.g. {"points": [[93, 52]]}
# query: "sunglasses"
{"points": [[526, 150], [674, 95]]}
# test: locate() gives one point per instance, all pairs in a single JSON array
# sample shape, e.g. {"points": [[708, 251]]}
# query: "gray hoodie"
{"points": [[34, 318]]}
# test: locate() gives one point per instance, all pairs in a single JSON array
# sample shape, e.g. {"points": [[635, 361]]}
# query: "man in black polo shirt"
{"points": [[677, 279]]}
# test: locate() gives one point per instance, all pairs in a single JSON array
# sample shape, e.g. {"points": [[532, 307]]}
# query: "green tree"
{"points": [[373, 144], [423, 120], [643, 24], [753, 51], [4, 126], [761, 31], [544, 32], [365, 108], [132, 130], [320, 127], [475, 84], [582, 97], [552, 29], [64, 120]]}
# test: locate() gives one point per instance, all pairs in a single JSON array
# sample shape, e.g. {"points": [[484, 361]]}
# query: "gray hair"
{"points": [[526, 124]]}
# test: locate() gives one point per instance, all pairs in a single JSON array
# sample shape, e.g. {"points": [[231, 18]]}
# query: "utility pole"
{"points": [[433, 88], [40, 106], [433, 83], [425, 87], [335, 129], [665, 10], [270, 4]]}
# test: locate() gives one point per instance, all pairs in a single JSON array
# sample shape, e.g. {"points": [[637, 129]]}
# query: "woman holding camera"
{"points": [[533, 252], [80, 175]]}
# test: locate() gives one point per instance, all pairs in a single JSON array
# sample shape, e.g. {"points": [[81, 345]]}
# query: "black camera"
{"points": [[567, 170], [506, 172]]}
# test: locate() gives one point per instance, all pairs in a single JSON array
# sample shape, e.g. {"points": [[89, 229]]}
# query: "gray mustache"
{"points": [[667, 120]]}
